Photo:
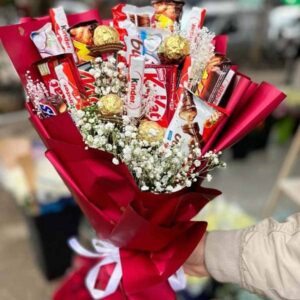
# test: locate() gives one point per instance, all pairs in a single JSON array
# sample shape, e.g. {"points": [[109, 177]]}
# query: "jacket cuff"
{"points": [[222, 255]]}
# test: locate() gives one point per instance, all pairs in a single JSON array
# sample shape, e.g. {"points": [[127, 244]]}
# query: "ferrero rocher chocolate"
{"points": [[110, 105], [174, 49], [151, 132], [105, 35]]}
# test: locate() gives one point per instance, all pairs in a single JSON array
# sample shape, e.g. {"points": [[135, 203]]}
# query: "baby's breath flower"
{"points": [[115, 161]]}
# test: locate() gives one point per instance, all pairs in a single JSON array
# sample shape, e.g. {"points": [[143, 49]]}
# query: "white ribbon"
{"points": [[111, 254]]}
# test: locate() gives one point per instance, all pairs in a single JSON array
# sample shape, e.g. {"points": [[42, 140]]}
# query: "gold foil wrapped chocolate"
{"points": [[174, 49], [104, 35], [151, 132], [106, 39], [110, 105]]}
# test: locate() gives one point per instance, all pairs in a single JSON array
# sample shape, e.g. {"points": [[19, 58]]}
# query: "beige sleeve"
{"points": [[264, 259]]}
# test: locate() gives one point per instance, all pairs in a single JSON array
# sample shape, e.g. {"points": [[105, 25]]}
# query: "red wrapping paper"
{"points": [[125, 216]]}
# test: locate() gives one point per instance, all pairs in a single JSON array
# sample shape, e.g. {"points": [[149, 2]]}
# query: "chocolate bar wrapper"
{"points": [[46, 41], [133, 47], [161, 80], [69, 85], [52, 106], [212, 78], [167, 13], [193, 122], [134, 104], [152, 39], [88, 82], [127, 18], [220, 92], [196, 21], [46, 69], [82, 37], [61, 26]]}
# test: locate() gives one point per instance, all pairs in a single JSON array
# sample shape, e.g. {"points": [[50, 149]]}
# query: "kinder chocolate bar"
{"points": [[127, 18], [134, 102], [88, 80], [193, 122], [61, 26], [196, 21], [160, 80], [68, 84], [152, 39], [46, 41], [168, 12], [134, 46], [82, 37]]}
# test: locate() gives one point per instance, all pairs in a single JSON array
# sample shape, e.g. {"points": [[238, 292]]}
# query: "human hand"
{"points": [[195, 264]]}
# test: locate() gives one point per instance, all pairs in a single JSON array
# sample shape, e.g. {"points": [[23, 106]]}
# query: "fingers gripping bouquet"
{"points": [[135, 115]]}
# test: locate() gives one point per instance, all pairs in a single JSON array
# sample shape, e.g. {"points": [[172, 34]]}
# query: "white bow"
{"points": [[111, 254]]}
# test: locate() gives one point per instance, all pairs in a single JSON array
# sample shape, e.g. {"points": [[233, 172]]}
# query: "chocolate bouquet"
{"points": [[135, 112]]}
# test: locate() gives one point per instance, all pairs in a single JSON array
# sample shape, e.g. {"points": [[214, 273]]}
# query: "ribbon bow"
{"points": [[111, 254]]}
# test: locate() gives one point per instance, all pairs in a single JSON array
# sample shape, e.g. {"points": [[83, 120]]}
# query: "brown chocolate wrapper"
{"points": [[82, 35], [193, 123], [167, 13], [212, 78]]}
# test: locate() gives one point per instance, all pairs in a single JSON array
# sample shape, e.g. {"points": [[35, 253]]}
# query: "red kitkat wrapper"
{"points": [[163, 79]]}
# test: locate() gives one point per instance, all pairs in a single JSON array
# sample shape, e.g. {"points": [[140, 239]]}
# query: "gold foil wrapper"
{"points": [[175, 48], [105, 35], [110, 105], [151, 132]]}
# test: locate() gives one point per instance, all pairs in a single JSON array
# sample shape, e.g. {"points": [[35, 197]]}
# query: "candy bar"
{"points": [[68, 85], [193, 122], [46, 41], [134, 103], [88, 82], [61, 26], [52, 106], [128, 17], [196, 21], [82, 37], [212, 78], [152, 39], [167, 12], [223, 88], [133, 46], [46, 68], [161, 81]]}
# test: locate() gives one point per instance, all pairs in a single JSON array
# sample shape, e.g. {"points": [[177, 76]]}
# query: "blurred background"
{"points": [[37, 214]]}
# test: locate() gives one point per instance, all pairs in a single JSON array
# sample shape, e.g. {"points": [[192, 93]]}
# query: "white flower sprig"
{"points": [[111, 78], [35, 91], [154, 168], [202, 50]]}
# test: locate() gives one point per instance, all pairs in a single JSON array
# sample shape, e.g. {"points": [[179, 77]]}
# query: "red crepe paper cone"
{"points": [[263, 101]]}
